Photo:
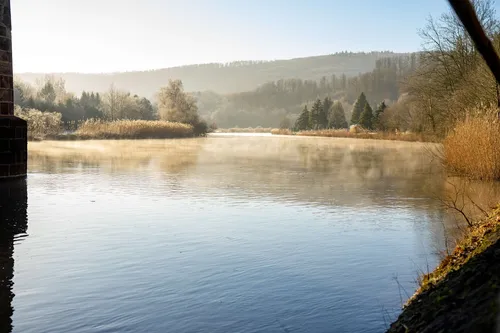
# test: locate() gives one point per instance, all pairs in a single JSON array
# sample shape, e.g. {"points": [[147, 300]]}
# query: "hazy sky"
{"points": [[125, 35]]}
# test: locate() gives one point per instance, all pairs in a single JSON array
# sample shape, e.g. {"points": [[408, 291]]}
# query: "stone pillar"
{"points": [[13, 130], [6, 71]]}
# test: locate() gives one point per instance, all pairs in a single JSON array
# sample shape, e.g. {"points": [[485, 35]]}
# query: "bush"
{"points": [[40, 124], [200, 128], [473, 148]]}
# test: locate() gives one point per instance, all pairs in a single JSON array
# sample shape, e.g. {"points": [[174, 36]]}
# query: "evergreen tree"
{"points": [[358, 108], [325, 111], [337, 116], [315, 115], [366, 118], [377, 119], [302, 123]]}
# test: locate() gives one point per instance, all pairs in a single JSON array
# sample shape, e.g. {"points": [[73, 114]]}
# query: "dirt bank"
{"points": [[462, 294]]}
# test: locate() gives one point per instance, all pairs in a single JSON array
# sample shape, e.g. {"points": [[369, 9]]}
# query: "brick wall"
{"points": [[13, 147], [6, 72], [13, 131]]}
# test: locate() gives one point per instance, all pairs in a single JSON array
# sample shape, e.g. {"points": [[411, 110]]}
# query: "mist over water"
{"points": [[229, 233]]}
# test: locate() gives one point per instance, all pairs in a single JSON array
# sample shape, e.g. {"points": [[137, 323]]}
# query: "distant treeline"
{"points": [[50, 95], [267, 106], [51, 98], [222, 78], [270, 103]]}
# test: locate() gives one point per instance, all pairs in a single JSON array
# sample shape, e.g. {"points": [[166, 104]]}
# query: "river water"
{"points": [[230, 233]]}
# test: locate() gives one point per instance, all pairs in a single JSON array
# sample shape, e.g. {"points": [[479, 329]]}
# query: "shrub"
{"points": [[40, 124]]}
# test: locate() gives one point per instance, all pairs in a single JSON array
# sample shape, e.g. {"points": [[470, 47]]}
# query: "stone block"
{"points": [[5, 56], [13, 147], [8, 158], [5, 68], [5, 44], [16, 144], [6, 82], [6, 95], [5, 145], [4, 171], [4, 122], [7, 132]]}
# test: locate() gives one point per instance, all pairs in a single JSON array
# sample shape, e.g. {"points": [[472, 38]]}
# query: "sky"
{"points": [[94, 36]]}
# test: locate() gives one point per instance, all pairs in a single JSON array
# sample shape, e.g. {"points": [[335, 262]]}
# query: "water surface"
{"points": [[228, 233]]}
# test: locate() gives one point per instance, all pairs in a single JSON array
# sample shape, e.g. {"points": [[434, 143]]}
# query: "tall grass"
{"points": [[281, 131], [473, 148], [40, 124], [133, 129]]}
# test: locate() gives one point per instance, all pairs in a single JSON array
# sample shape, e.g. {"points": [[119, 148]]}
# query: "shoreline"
{"points": [[462, 294]]}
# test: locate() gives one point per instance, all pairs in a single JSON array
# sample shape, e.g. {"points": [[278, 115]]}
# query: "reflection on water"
{"points": [[230, 233], [13, 204]]}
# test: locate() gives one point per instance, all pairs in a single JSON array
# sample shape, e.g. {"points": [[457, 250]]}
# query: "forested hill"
{"points": [[221, 78]]}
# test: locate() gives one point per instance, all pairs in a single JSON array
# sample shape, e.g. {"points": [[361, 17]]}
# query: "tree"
{"points": [[325, 111], [47, 93], [23, 92], [175, 105], [114, 102], [377, 119], [316, 115], [366, 118], [446, 82], [91, 104], [337, 116], [145, 108], [358, 108], [302, 123]]}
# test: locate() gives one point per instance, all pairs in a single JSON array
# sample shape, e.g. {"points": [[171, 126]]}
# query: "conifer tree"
{"points": [[325, 111], [316, 110], [337, 116], [358, 108], [366, 118], [302, 123], [377, 119]]}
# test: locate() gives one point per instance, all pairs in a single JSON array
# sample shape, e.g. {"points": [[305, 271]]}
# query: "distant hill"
{"points": [[222, 78]]}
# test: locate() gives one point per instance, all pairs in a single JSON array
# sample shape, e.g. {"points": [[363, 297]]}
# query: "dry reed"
{"points": [[133, 129], [281, 131], [343, 133], [244, 130], [473, 148]]}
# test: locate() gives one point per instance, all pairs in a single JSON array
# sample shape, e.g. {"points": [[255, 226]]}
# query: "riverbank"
{"points": [[121, 130], [339, 133], [462, 293], [342, 133]]}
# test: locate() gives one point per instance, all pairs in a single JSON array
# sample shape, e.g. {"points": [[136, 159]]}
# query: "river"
{"points": [[229, 233]]}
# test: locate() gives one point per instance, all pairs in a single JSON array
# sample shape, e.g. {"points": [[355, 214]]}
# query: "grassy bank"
{"points": [[343, 133], [462, 293]]}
